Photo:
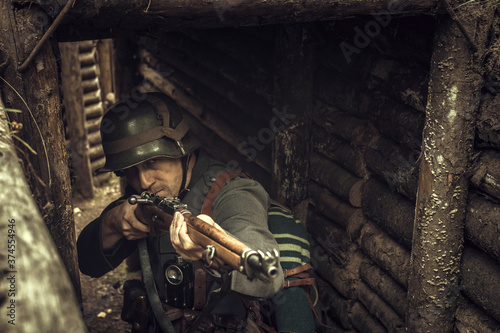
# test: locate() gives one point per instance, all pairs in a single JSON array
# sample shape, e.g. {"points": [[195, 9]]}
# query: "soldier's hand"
{"points": [[182, 243], [124, 220]]}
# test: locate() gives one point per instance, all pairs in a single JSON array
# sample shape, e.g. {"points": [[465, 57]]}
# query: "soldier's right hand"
{"points": [[122, 221]]}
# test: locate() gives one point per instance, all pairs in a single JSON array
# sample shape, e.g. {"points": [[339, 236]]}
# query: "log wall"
{"points": [[370, 81]]}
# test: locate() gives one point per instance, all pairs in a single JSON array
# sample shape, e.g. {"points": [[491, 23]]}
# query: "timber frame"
{"points": [[427, 258]]}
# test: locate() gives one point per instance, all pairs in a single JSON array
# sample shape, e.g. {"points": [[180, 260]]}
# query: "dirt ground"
{"points": [[102, 297]]}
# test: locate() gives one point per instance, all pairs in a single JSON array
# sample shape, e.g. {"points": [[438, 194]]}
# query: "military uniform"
{"points": [[240, 208]]}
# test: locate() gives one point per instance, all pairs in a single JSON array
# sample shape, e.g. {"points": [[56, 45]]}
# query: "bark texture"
{"points": [[36, 293], [38, 88], [442, 191], [91, 19]]}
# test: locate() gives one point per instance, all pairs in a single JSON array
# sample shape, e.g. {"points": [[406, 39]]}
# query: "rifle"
{"points": [[221, 249]]}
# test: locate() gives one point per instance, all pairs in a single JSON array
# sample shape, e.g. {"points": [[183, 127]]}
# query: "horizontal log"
{"points": [[330, 205], [406, 81], [337, 307], [96, 152], [353, 130], [385, 286], [102, 178], [332, 238], [94, 138], [398, 122], [364, 322], [205, 95], [86, 46], [90, 72], [337, 179], [386, 253], [486, 175], [94, 19], [481, 280], [242, 74], [389, 210], [355, 224], [235, 94], [92, 97], [96, 164], [488, 124], [93, 125], [90, 85], [379, 308], [224, 152], [482, 224], [397, 165], [471, 318], [176, 93], [339, 151], [241, 45], [343, 279], [93, 110], [342, 91], [88, 58], [220, 126]]}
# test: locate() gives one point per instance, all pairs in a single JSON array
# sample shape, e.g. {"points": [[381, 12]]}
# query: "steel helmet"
{"points": [[135, 131]]}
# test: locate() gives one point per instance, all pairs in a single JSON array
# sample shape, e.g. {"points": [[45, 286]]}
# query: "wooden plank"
{"points": [[293, 96], [73, 104]]}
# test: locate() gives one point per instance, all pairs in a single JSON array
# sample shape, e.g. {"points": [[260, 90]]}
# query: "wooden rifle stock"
{"points": [[222, 251]]}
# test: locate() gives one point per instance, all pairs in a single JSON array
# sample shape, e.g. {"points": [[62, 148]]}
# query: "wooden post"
{"points": [[37, 87], [441, 202], [293, 94], [72, 90]]}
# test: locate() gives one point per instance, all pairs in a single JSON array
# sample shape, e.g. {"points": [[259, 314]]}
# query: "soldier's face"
{"points": [[160, 175]]}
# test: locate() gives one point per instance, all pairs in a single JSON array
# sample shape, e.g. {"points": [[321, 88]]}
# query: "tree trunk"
{"points": [[36, 292], [442, 191], [38, 87]]}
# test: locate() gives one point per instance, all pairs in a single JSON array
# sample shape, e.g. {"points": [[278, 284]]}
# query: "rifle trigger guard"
{"points": [[208, 256]]}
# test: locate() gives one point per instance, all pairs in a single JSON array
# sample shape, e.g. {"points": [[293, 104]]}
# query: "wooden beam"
{"points": [[92, 19], [293, 95], [448, 137]]}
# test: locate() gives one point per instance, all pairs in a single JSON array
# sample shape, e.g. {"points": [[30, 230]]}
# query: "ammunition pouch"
{"points": [[135, 309]]}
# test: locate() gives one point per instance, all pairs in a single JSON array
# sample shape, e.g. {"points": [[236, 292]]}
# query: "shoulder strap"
{"points": [[153, 297], [221, 180]]}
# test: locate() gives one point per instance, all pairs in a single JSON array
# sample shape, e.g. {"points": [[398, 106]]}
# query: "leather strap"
{"points": [[216, 187], [200, 286], [299, 282], [296, 270], [149, 282]]}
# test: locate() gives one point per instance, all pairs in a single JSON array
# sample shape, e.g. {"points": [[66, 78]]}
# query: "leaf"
{"points": [[24, 143], [10, 110]]}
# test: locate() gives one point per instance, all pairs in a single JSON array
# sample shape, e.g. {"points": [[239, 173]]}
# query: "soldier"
{"points": [[152, 147]]}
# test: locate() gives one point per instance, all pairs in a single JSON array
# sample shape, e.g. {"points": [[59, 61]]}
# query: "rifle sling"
{"points": [[149, 282]]}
